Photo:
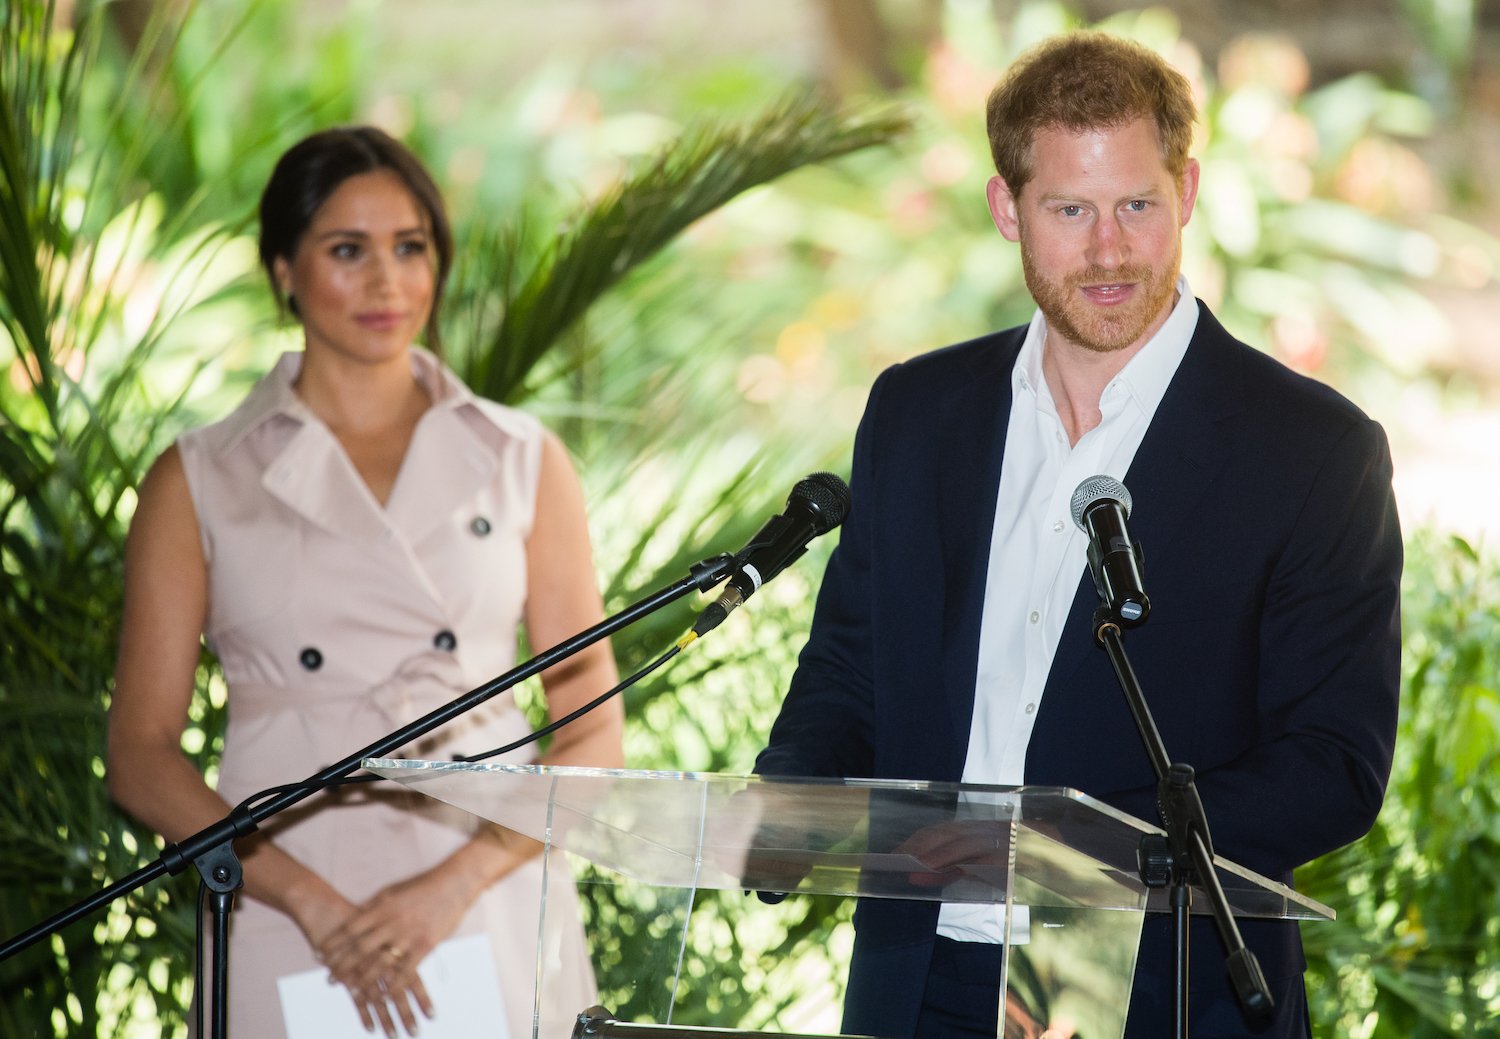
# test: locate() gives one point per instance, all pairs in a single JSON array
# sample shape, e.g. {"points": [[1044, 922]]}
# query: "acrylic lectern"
{"points": [[1059, 868]]}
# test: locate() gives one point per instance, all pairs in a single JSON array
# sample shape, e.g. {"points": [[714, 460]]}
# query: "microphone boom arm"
{"points": [[211, 848]]}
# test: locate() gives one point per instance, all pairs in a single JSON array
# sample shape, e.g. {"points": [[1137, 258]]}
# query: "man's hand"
{"points": [[946, 848]]}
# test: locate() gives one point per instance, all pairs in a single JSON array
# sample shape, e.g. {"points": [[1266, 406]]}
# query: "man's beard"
{"points": [[1102, 329]]}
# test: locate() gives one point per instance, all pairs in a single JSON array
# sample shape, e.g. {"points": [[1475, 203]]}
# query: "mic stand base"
{"points": [[222, 877], [1185, 855], [1182, 906], [598, 1023]]}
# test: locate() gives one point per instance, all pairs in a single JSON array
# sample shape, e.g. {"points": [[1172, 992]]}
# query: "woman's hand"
{"points": [[375, 949], [380, 977]]}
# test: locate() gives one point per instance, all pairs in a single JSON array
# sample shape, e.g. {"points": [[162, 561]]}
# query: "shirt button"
{"points": [[1057, 526], [310, 658], [480, 526], [445, 640], [1031, 708], [1035, 616]]}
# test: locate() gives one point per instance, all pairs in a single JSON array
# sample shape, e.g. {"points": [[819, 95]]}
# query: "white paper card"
{"points": [[459, 975]]}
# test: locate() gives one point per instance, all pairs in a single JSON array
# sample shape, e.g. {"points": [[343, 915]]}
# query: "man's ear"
{"points": [[1189, 193], [1003, 208]]}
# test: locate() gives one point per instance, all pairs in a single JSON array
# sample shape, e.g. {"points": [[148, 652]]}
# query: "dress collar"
{"points": [[274, 397]]}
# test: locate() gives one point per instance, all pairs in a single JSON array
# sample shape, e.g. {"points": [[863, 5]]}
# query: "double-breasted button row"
{"points": [[311, 658]]}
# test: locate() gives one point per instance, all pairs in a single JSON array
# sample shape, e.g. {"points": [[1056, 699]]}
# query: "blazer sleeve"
{"points": [[827, 720], [1328, 682]]}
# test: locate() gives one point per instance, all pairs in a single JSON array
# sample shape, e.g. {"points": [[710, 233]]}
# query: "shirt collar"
{"points": [[1145, 376]]}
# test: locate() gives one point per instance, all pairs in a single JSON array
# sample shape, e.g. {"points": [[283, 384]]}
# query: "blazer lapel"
{"points": [[1184, 447], [972, 447]]}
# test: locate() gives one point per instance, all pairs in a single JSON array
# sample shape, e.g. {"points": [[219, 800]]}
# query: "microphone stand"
{"points": [[599, 1022], [1186, 853], [211, 849]]}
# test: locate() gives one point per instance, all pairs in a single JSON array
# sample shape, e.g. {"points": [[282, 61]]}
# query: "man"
{"points": [[952, 638]]}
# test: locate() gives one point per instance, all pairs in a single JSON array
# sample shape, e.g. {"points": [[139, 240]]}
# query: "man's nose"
{"points": [[1107, 246]]}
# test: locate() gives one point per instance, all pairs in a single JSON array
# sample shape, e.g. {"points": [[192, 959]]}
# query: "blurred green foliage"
{"points": [[1415, 952], [727, 354]]}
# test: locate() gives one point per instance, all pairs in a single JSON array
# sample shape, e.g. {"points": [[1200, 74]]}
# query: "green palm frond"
{"points": [[694, 175], [41, 82], [94, 268]]}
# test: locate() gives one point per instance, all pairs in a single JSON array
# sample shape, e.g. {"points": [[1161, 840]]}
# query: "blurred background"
{"points": [[690, 236], [679, 58]]}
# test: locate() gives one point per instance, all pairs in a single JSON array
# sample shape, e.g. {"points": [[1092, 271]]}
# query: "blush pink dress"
{"points": [[337, 620]]}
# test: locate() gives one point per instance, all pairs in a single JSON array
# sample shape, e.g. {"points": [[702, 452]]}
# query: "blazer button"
{"points": [[310, 658], [445, 640], [480, 526]]}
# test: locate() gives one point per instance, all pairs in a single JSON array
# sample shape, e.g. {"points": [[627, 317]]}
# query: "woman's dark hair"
{"points": [[312, 170]]}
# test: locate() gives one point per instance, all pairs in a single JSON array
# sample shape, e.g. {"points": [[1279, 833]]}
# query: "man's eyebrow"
{"points": [[1064, 196]]}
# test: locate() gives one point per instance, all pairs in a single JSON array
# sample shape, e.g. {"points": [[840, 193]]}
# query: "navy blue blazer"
{"points": [[1263, 505]]}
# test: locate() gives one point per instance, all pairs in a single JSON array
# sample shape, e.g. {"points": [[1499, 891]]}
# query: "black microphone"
{"points": [[817, 504], [1101, 504]]}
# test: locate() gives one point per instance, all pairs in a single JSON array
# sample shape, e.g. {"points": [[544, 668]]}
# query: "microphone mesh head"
{"points": [[1098, 488], [826, 496]]}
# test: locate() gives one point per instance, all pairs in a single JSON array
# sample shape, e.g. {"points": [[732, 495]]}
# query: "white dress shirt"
{"points": [[1038, 554]]}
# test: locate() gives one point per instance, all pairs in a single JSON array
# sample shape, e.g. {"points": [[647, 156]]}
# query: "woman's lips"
{"points": [[380, 320]]}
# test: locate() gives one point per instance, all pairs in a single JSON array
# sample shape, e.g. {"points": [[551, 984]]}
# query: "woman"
{"points": [[356, 542]]}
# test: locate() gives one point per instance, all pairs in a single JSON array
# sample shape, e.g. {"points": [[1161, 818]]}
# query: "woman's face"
{"points": [[364, 271]]}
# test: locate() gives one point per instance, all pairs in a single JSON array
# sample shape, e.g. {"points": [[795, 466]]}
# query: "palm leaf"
{"points": [[632, 221], [78, 236]]}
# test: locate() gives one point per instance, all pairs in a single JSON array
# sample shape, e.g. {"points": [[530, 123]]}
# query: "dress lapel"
{"points": [[444, 467], [312, 476]]}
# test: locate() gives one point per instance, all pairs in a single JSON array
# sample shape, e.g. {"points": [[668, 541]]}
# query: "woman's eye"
{"points": [[344, 250], [412, 247]]}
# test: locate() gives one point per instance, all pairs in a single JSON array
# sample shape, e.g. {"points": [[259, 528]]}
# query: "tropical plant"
{"points": [[694, 175], [1300, 242], [81, 237], [1415, 952], [114, 252], [785, 302]]}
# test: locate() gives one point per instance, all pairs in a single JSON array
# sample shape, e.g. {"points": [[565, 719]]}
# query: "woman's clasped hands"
{"points": [[373, 949]]}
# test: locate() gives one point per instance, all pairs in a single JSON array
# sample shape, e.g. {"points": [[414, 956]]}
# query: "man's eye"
{"points": [[1071, 210], [1138, 205]]}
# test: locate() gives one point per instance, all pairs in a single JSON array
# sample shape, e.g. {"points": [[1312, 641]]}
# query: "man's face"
{"points": [[1100, 228]]}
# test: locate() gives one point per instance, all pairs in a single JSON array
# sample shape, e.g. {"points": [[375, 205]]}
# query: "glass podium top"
{"points": [[1037, 846]]}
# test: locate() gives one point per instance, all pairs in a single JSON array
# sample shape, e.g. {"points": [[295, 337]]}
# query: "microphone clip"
{"points": [[1130, 614]]}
